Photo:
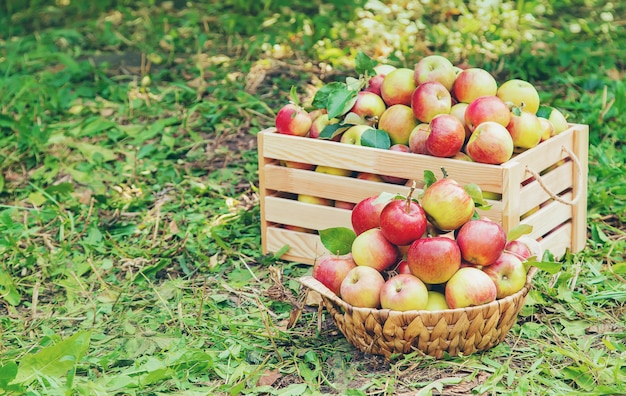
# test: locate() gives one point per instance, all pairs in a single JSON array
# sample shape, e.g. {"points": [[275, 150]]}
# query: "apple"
{"points": [[461, 156], [330, 170], [368, 105], [487, 108], [446, 137], [436, 301], [435, 259], [458, 110], [315, 113], [508, 273], [525, 129], [404, 292], [402, 221], [331, 269], [547, 129], [297, 165], [319, 123], [361, 287], [447, 205], [490, 143], [430, 99], [535, 247], [398, 86], [518, 248], [558, 120], [295, 228], [403, 267], [472, 83], [344, 205], [434, 68], [366, 214], [402, 148], [375, 82], [469, 287], [370, 248], [293, 120], [353, 134], [314, 200], [481, 241], [519, 93], [417, 139], [398, 121], [369, 176]]}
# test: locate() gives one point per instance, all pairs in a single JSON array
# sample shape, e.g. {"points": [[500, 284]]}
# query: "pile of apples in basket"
{"points": [[429, 254], [432, 251]]}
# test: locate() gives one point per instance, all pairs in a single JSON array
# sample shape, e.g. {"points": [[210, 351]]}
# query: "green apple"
{"points": [[520, 93], [436, 301], [525, 129], [353, 134]]}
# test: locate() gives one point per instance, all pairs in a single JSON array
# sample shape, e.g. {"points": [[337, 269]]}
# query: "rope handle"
{"points": [[579, 183]]}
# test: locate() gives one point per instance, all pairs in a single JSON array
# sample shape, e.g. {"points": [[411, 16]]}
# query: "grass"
{"points": [[129, 239]]}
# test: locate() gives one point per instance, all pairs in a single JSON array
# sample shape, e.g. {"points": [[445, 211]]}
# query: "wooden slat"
{"points": [[303, 247], [557, 181], [558, 241], [579, 218], [549, 217], [301, 214]]}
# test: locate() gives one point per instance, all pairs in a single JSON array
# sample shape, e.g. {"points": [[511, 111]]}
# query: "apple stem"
{"points": [[410, 195]]}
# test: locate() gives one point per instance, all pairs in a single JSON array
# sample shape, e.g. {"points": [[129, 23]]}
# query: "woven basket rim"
{"points": [[317, 286]]}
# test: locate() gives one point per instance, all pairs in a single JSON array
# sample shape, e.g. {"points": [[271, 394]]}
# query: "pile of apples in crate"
{"points": [[433, 254], [435, 108]]}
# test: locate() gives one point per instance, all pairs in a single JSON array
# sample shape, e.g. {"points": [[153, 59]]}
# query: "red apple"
{"points": [[403, 267], [447, 205], [366, 214], [402, 221], [331, 270], [520, 93], [508, 273], [417, 139], [470, 287], [293, 120], [368, 105], [556, 118], [361, 287], [533, 245], [398, 121], [404, 292], [344, 205], [369, 176], [403, 148], [487, 108], [435, 68], [490, 143], [298, 165], [436, 301], [473, 83], [434, 260], [446, 137], [525, 129], [518, 248], [370, 248], [375, 82], [430, 99], [481, 241], [398, 86]]}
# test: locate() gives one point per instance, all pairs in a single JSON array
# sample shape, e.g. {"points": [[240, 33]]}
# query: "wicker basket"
{"points": [[460, 331]]}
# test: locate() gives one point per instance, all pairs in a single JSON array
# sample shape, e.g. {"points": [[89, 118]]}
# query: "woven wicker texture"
{"points": [[455, 331]]}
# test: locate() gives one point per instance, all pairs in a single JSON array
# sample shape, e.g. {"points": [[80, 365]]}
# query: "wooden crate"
{"points": [[555, 205]]}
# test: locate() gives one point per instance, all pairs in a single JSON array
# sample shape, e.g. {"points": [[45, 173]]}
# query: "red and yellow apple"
{"points": [[331, 269], [370, 248], [293, 120], [434, 260], [470, 287], [481, 241], [404, 292], [361, 287]]}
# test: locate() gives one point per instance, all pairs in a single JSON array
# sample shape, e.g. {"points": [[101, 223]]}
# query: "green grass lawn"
{"points": [[130, 259]]}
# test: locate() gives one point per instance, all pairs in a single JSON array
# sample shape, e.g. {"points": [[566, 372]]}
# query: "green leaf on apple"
{"points": [[476, 193], [429, 178], [338, 240], [544, 111], [376, 138], [293, 95], [332, 130], [354, 84], [385, 198], [340, 102], [320, 100], [363, 64], [518, 231]]}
